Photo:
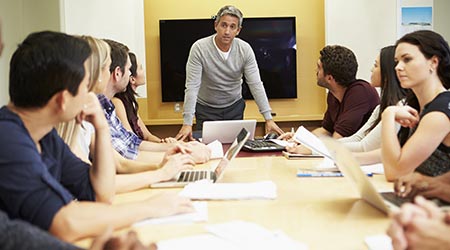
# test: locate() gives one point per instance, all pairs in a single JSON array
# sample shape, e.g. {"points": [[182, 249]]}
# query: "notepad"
{"points": [[200, 214], [379, 242], [235, 235], [202, 190]]}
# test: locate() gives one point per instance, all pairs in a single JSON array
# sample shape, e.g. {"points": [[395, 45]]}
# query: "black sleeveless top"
{"points": [[439, 161]]}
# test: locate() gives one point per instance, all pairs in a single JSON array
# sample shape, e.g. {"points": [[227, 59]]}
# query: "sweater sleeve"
{"points": [[193, 80]]}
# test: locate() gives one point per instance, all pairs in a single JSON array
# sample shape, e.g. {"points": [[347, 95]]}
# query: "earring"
{"points": [[431, 70]]}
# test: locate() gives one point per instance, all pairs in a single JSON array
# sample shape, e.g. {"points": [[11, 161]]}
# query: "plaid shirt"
{"points": [[123, 141]]}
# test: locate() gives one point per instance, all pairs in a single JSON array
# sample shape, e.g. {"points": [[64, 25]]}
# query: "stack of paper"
{"points": [[200, 214], [235, 235], [303, 136], [202, 190], [373, 168], [216, 149], [379, 242]]}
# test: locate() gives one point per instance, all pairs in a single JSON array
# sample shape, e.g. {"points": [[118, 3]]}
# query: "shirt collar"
{"points": [[107, 105]]}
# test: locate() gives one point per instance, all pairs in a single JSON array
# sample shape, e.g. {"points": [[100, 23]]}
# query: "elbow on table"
{"points": [[64, 227]]}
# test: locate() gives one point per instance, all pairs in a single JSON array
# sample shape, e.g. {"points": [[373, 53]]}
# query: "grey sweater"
{"points": [[217, 83]]}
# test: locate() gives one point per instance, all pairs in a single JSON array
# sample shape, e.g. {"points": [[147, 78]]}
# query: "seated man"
{"points": [[128, 144], [41, 180], [350, 102]]}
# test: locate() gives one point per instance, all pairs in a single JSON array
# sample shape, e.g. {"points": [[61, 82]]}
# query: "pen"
{"points": [[323, 174], [319, 174], [292, 130]]}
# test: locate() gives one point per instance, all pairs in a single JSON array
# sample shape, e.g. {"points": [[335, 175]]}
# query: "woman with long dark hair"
{"points": [[368, 137], [423, 143], [127, 106]]}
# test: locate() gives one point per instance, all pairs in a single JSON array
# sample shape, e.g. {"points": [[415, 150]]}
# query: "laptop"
{"points": [[350, 167], [215, 173], [225, 131]]}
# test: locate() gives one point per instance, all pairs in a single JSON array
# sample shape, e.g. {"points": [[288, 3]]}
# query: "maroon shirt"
{"points": [[357, 105]]}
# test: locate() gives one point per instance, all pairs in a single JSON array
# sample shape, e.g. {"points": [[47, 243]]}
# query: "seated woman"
{"points": [[423, 143], [366, 143], [127, 106]]}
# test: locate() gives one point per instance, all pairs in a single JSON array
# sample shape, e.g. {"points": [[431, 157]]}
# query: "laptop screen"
{"points": [[226, 131], [234, 149]]}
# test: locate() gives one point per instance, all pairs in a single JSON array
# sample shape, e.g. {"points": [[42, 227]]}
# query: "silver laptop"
{"points": [[215, 173], [351, 169], [225, 131]]}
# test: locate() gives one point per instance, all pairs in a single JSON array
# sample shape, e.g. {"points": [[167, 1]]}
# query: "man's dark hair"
{"points": [[340, 62], [128, 97], [44, 64], [119, 55]]}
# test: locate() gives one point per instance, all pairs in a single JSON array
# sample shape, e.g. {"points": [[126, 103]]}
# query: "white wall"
{"points": [[442, 18], [118, 20], [19, 18], [364, 26]]}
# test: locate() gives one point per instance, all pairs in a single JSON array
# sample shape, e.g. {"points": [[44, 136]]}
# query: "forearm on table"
{"points": [[75, 220], [153, 146], [131, 182], [126, 166]]}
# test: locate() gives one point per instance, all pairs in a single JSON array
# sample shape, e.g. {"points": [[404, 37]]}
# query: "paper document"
{"points": [[303, 136], [202, 190], [283, 143], [216, 149], [379, 242], [374, 168], [308, 139], [200, 214], [235, 235]]}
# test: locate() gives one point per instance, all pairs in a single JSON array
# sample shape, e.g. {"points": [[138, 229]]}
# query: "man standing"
{"points": [[214, 72], [350, 101]]}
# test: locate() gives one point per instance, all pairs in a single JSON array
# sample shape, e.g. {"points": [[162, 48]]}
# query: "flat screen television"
{"points": [[272, 39]]}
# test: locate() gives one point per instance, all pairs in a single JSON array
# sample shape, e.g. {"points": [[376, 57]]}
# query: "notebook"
{"points": [[214, 174], [351, 169], [225, 131]]}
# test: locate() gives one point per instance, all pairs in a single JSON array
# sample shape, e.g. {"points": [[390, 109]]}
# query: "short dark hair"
{"points": [[119, 55], [44, 64], [128, 97], [340, 62]]}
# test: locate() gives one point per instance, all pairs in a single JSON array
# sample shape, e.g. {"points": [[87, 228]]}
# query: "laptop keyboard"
{"points": [[190, 176], [393, 198], [260, 145]]}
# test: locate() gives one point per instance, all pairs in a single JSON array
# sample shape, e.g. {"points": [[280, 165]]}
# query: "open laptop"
{"points": [[215, 173], [351, 169], [226, 131]]}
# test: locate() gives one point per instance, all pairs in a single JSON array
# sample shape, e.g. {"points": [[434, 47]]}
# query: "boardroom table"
{"points": [[322, 212]]}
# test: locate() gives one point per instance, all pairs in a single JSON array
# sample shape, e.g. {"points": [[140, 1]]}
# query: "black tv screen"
{"points": [[272, 39]]}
